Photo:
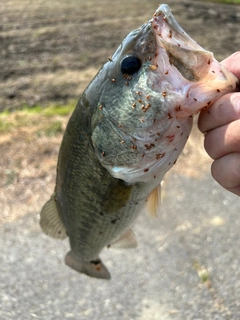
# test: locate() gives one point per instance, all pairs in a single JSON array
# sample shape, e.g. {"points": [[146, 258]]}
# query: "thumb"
{"points": [[232, 63]]}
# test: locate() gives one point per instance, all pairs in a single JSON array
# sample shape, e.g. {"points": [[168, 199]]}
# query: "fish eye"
{"points": [[130, 65]]}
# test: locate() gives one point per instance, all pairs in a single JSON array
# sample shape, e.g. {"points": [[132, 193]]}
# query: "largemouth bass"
{"points": [[126, 132]]}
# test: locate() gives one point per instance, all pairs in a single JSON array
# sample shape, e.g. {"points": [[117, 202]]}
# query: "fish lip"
{"points": [[163, 18], [169, 17]]}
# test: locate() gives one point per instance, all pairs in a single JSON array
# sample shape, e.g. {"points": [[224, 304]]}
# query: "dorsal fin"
{"points": [[126, 241], [154, 201], [50, 221]]}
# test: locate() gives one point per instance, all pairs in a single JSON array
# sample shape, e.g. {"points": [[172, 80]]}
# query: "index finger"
{"points": [[223, 111]]}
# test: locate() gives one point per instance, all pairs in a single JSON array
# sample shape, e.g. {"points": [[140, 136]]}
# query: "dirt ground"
{"points": [[50, 50]]}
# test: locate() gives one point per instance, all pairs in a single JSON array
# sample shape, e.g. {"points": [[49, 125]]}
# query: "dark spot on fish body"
{"points": [[160, 155], [96, 262], [149, 146], [114, 221]]}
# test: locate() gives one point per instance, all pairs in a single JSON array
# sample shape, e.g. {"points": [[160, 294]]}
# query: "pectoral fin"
{"points": [[50, 221], [154, 201]]}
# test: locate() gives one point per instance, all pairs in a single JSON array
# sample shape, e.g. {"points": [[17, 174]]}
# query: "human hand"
{"points": [[221, 126]]}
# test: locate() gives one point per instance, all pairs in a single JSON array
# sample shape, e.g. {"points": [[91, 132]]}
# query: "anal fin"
{"points": [[94, 269], [50, 221], [126, 241]]}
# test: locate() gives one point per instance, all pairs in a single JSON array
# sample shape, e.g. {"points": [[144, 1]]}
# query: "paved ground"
{"points": [[187, 265]]}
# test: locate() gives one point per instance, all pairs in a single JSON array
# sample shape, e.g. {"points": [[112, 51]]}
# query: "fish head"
{"points": [[150, 89]]}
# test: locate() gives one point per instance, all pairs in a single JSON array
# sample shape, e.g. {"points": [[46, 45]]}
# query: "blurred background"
{"points": [[187, 265]]}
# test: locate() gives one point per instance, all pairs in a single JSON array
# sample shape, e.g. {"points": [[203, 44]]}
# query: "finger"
{"points": [[226, 171], [232, 63], [223, 140], [223, 111]]}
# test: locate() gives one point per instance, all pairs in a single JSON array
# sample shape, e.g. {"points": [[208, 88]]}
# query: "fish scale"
{"points": [[126, 132]]}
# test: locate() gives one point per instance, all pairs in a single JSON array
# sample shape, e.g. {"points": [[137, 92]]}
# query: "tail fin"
{"points": [[94, 269]]}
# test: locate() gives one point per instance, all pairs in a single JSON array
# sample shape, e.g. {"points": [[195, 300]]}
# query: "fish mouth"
{"points": [[177, 48]]}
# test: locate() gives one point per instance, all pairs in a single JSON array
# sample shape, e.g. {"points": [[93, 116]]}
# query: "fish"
{"points": [[127, 130]]}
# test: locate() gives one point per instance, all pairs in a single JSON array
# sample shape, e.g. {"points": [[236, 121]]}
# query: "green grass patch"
{"points": [[51, 129], [46, 121], [224, 1], [52, 110]]}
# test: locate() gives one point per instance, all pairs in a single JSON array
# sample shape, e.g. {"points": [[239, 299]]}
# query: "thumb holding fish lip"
{"points": [[227, 108], [221, 125], [232, 63]]}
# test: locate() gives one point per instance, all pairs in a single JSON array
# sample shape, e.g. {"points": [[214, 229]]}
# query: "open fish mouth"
{"points": [[177, 47], [184, 66]]}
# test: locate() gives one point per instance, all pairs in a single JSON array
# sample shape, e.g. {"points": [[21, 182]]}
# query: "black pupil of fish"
{"points": [[130, 65]]}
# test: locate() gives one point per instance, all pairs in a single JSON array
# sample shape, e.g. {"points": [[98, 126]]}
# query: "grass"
{"points": [[44, 121], [225, 1]]}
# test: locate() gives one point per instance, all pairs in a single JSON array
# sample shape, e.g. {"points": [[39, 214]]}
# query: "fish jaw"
{"points": [[185, 67]]}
